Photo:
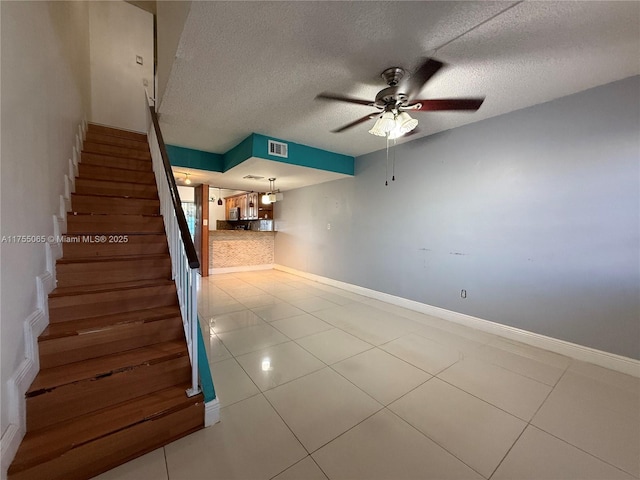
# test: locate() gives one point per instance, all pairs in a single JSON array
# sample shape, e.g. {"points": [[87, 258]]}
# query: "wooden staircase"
{"points": [[114, 366]]}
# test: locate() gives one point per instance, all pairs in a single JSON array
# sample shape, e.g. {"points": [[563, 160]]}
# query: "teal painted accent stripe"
{"points": [[256, 145], [206, 382], [305, 156], [190, 158], [238, 154]]}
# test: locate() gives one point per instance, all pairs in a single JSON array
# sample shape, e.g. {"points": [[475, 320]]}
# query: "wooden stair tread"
{"points": [[116, 132], [86, 325], [95, 137], [98, 196], [49, 442], [55, 377], [107, 287], [118, 182], [100, 159], [119, 258]]}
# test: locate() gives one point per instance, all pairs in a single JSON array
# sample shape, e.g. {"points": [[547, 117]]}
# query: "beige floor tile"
{"points": [[232, 384], [373, 329], [301, 326], [384, 447], [544, 356], [217, 308], [250, 442], [277, 311], [383, 376], [312, 304], [592, 426], [279, 364], [333, 345], [336, 298], [216, 351], [610, 377], [449, 339], [600, 394], [474, 431], [148, 467], [518, 395], [250, 339], [424, 353], [525, 366], [259, 301], [321, 406], [538, 455], [305, 469], [234, 321]]}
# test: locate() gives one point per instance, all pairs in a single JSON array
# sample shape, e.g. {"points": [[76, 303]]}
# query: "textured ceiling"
{"points": [[244, 67]]}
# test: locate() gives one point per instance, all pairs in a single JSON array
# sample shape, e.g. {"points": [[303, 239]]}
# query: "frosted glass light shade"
{"points": [[405, 123]]}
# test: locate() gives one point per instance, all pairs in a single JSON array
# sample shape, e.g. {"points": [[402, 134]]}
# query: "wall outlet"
{"points": [[463, 293]]}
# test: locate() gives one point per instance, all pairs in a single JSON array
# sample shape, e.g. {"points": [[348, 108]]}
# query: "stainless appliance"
{"points": [[234, 213]]}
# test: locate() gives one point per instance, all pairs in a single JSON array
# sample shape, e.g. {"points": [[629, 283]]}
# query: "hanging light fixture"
{"points": [[384, 124], [273, 195], [219, 197], [393, 125], [187, 180]]}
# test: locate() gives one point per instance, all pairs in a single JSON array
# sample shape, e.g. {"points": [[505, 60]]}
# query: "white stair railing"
{"points": [[184, 260]]}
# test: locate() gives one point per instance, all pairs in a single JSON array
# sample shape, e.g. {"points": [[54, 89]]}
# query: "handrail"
{"points": [[190, 249], [184, 260]]}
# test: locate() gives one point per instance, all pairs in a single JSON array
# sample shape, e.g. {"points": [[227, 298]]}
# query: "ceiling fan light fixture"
{"points": [[405, 123]]}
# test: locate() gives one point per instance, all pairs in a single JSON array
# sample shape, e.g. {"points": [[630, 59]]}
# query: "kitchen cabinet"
{"points": [[250, 204]]}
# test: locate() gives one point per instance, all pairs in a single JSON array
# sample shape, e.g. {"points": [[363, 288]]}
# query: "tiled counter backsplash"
{"points": [[240, 248]]}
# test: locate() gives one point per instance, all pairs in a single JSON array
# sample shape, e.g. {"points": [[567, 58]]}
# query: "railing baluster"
{"points": [[184, 261]]}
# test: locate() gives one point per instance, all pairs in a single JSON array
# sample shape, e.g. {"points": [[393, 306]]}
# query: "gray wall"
{"points": [[535, 213]]}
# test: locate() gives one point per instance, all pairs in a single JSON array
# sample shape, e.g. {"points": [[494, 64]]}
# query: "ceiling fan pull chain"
{"points": [[386, 181], [393, 168]]}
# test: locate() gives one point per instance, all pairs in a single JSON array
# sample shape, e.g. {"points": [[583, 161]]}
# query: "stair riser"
{"points": [[79, 398], [115, 189], [116, 141], [115, 162], [114, 205], [79, 224], [136, 245], [116, 132], [90, 273], [116, 151], [74, 307], [113, 339], [115, 174], [115, 449]]}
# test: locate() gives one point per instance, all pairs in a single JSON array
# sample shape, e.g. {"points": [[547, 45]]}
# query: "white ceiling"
{"points": [[244, 67]]}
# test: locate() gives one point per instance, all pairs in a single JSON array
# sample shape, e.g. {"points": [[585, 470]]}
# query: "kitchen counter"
{"points": [[240, 248]]}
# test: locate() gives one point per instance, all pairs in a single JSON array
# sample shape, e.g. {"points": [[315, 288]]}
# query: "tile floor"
{"points": [[316, 382]]}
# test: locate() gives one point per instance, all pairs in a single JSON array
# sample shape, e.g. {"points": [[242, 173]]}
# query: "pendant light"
{"points": [[219, 197]]}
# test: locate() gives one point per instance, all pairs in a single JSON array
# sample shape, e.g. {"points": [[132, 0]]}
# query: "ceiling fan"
{"points": [[397, 99]]}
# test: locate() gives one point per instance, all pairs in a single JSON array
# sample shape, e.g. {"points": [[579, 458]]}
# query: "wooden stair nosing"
{"points": [[99, 159], [119, 183], [94, 137], [88, 172], [70, 400], [117, 448], [121, 258], [81, 326], [115, 132], [117, 150], [49, 442], [108, 287]]}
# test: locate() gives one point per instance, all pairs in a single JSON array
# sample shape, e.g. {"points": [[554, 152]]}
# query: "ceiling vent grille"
{"points": [[278, 149]]}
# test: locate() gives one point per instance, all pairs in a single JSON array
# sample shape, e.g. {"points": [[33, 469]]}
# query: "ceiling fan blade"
{"points": [[357, 122], [446, 104], [342, 98], [422, 75]]}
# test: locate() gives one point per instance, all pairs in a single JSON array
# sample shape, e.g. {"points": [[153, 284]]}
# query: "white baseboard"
{"points": [[211, 412], [612, 361], [9, 444], [248, 268]]}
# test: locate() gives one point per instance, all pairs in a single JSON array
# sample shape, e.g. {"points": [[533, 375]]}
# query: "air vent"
{"points": [[278, 149], [253, 177]]}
